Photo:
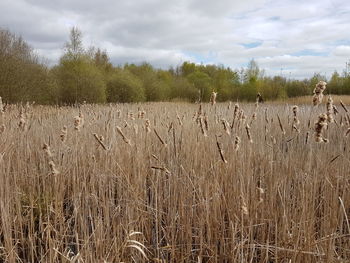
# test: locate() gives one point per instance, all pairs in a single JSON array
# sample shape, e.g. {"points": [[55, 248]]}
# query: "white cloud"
{"points": [[342, 51], [301, 37]]}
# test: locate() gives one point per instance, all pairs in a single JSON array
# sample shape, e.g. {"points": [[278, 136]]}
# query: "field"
{"points": [[174, 182]]}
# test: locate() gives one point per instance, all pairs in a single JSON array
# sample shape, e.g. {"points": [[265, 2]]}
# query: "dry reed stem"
{"points": [[335, 110], [99, 139], [221, 152], [125, 139], [203, 130], [343, 106], [160, 138], [347, 132], [280, 124], [266, 116], [162, 168], [226, 126], [206, 125], [179, 119]]}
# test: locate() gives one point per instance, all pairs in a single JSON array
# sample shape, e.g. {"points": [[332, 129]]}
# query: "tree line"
{"points": [[87, 75]]}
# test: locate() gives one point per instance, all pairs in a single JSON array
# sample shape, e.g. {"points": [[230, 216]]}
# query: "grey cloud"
{"points": [[167, 33]]}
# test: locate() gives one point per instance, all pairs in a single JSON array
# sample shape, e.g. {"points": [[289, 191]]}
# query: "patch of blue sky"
{"points": [[342, 42], [309, 52], [209, 57], [252, 44], [274, 18]]}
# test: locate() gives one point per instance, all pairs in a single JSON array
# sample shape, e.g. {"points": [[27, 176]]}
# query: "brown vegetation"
{"points": [[107, 189]]}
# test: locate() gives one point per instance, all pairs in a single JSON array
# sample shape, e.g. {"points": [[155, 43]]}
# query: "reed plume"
{"points": [[237, 143], [77, 123], [148, 126], [47, 150], [320, 125], [53, 170], [235, 114], [318, 93], [330, 110], [226, 126], [213, 97], [295, 115], [247, 128], [22, 121], [1, 106], [63, 134]]}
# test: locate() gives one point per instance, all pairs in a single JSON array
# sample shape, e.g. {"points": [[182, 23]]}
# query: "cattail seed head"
{"points": [[148, 126], [213, 97], [202, 126], [47, 150], [318, 93], [330, 110], [1, 106], [63, 134], [320, 125], [53, 170], [2, 128], [77, 123], [236, 144], [247, 127], [226, 126], [22, 121], [295, 115]]}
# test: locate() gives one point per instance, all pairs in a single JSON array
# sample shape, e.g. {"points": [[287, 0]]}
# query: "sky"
{"points": [[292, 38]]}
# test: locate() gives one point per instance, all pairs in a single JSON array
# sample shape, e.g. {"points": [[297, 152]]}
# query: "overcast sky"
{"points": [[290, 37]]}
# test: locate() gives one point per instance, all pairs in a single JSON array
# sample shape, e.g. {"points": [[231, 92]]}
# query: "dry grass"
{"points": [[112, 191], [307, 100]]}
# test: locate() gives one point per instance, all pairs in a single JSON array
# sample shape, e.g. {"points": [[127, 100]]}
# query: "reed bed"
{"points": [[174, 182]]}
